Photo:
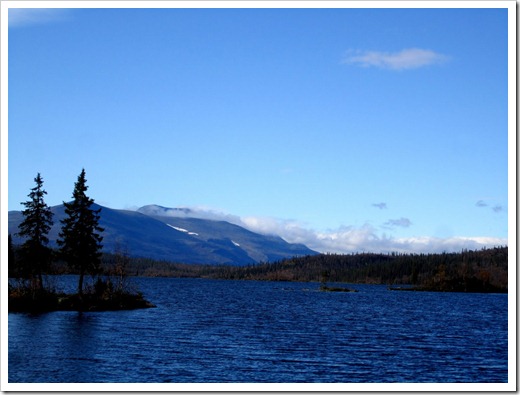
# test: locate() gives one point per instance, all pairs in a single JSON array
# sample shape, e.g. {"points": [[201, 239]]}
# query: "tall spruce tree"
{"points": [[80, 238], [35, 255]]}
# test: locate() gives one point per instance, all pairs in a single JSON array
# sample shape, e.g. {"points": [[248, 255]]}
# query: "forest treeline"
{"points": [[466, 271]]}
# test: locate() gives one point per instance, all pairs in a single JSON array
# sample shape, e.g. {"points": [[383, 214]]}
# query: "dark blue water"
{"points": [[238, 331]]}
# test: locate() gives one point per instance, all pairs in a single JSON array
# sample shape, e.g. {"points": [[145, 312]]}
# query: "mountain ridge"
{"points": [[180, 238]]}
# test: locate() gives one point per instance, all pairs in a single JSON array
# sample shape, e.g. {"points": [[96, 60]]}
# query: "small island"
{"points": [[80, 247], [325, 288], [103, 296], [325, 275]]}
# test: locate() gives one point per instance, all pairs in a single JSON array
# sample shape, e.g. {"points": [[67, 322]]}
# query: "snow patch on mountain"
{"points": [[183, 230], [176, 228]]}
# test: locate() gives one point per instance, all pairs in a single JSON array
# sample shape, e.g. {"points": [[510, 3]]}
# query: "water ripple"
{"points": [[225, 331]]}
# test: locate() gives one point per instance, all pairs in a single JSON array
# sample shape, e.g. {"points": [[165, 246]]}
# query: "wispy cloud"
{"points": [[19, 17], [411, 58], [498, 208], [380, 206], [481, 203], [401, 222], [200, 212]]}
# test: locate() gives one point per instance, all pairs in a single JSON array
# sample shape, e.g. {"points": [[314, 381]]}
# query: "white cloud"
{"points": [[349, 239], [411, 58], [450, 244], [31, 16], [286, 229], [200, 212], [343, 240]]}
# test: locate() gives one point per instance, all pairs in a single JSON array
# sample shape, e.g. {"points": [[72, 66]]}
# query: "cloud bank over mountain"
{"points": [[343, 240]]}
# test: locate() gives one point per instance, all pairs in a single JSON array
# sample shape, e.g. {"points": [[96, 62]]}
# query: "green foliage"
{"points": [[80, 238]]}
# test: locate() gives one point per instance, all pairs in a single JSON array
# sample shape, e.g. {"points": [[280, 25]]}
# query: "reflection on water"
{"points": [[231, 331]]}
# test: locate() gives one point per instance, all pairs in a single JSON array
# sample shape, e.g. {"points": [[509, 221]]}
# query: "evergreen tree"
{"points": [[36, 225], [80, 238]]}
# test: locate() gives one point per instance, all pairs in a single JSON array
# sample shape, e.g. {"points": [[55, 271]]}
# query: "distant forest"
{"points": [[466, 271]]}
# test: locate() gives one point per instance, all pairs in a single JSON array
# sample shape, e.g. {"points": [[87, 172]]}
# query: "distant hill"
{"points": [[150, 233]]}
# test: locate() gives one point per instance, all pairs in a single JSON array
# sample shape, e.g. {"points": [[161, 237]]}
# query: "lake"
{"points": [[205, 331]]}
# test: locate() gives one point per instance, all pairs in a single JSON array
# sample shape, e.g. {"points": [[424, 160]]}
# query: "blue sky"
{"points": [[345, 129]]}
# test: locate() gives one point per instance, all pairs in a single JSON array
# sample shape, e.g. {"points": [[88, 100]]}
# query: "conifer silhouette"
{"points": [[80, 238], [36, 225]]}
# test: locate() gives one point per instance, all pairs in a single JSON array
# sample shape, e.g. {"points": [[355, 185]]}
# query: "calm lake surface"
{"points": [[249, 331]]}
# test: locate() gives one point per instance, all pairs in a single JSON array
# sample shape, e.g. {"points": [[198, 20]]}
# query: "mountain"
{"points": [[175, 235]]}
